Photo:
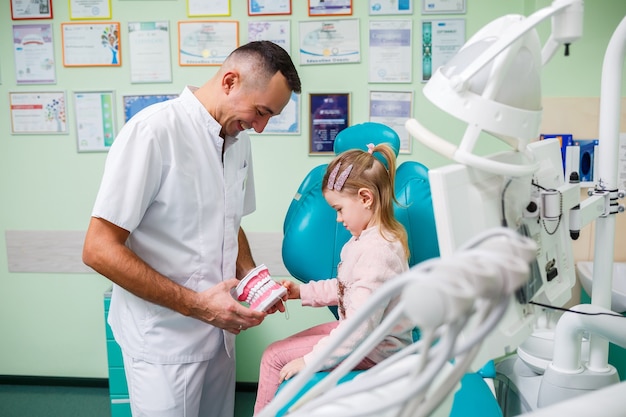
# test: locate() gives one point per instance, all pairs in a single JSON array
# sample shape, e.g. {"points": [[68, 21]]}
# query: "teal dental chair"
{"points": [[313, 240], [311, 226]]}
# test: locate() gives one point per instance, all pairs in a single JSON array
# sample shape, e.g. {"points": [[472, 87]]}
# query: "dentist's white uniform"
{"points": [[164, 182]]}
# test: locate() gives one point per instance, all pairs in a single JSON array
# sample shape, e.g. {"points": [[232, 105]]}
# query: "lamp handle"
{"points": [[445, 148]]}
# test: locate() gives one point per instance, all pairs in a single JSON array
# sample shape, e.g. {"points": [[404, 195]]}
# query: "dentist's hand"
{"points": [[217, 307]]}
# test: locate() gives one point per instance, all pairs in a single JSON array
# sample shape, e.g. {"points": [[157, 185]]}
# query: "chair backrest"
{"points": [[312, 237]]}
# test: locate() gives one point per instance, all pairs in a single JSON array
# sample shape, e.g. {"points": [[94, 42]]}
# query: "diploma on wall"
{"points": [[208, 8], [133, 104], [443, 6], [330, 42], [91, 44], [90, 9], [38, 113], [95, 120], [441, 39], [377, 7], [31, 9], [393, 108], [277, 31], [330, 7], [268, 7], [390, 51], [206, 42], [150, 57], [34, 54]]}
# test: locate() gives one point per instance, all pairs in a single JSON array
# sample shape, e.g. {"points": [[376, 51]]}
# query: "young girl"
{"points": [[361, 189]]}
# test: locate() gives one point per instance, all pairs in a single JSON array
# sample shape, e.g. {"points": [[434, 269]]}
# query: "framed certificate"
{"points": [[150, 53], [383, 7], [268, 7], [391, 54], [33, 51], [36, 113], [91, 44], [277, 31], [208, 8], [330, 42], [441, 39], [90, 9], [330, 114], [330, 8], [95, 120], [133, 104], [443, 6], [28, 9], [206, 42], [393, 108]]}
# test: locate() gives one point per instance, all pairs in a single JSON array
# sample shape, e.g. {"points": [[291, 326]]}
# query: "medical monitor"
{"points": [[468, 201]]}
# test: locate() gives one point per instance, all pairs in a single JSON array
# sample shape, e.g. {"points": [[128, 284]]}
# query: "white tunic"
{"points": [[165, 183]]}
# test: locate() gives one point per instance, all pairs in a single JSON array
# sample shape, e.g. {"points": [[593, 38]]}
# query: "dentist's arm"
{"points": [[105, 251]]}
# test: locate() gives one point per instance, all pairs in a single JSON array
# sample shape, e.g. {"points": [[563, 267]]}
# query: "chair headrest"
{"points": [[360, 135]]}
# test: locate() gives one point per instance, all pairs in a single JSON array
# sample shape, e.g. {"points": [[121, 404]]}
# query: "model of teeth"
{"points": [[259, 290]]}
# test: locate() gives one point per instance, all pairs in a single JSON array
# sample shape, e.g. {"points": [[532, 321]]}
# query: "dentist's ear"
{"points": [[229, 80]]}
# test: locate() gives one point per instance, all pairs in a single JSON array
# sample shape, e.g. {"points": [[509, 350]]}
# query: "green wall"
{"points": [[51, 324]]}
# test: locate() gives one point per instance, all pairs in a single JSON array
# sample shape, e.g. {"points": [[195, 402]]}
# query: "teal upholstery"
{"points": [[473, 399], [310, 225], [313, 239]]}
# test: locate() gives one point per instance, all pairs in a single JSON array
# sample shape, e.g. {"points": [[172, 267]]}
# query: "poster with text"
{"points": [[390, 57], [38, 113], [441, 39], [330, 114], [91, 44], [33, 52], [95, 120]]}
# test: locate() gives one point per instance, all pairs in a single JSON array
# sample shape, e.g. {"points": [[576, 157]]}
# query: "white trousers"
{"points": [[200, 389]]}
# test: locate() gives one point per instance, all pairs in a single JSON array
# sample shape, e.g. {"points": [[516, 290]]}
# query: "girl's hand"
{"points": [[291, 369], [293, 289]]}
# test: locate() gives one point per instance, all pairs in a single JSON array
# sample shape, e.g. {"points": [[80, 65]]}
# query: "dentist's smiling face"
{"points": [[250, 105]]}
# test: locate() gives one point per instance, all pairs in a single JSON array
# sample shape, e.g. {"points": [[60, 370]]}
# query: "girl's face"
{"points": [[354, 211]]}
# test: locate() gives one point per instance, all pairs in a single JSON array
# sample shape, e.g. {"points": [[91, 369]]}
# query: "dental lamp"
{"points": [[492, 84]]}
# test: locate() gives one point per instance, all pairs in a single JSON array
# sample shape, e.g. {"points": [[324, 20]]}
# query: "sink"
{"points": [[584, 271]]}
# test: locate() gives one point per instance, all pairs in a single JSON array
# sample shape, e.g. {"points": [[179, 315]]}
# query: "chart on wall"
{"points": [[441, 39], [95, 120]]}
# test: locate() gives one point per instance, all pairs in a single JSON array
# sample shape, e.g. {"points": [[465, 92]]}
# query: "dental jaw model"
{"points": [[259, 290]]}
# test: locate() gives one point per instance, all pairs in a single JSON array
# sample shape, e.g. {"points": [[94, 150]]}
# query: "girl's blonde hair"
{"points": [[362, 169]]}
